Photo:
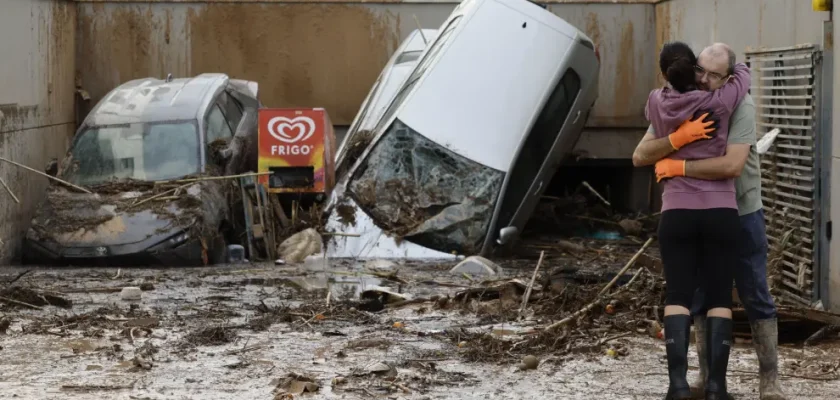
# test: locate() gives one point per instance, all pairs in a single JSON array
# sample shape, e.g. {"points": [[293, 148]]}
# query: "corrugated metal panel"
{"points": [[785, 87], [739, 23]]}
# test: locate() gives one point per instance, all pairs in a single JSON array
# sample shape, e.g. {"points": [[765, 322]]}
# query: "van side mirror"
{"points": [[507, 235], [52, 168]]}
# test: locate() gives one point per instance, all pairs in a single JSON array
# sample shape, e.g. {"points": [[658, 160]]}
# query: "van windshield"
{"points": [[139, 151], [419, 190]]}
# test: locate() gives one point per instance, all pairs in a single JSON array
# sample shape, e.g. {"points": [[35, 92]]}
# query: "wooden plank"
{"points": [[825, 317]]}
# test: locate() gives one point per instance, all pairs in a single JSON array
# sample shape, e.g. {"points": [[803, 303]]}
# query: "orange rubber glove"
{"points": [[691, 131], [669, 168]]}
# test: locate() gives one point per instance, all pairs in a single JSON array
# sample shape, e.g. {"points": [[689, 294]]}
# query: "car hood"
{"points": [[82, 220]]}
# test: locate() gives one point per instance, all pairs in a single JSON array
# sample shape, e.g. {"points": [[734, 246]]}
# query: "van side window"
{"points": [[538, 144], [217, 127]]}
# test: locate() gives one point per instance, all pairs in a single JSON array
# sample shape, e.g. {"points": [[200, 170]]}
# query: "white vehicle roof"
{"points": [[390, 80], [393, 76], [478, 100]]}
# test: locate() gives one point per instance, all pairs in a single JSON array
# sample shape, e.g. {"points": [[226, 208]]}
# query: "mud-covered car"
{"points": [[469, 143], [144, 152]]}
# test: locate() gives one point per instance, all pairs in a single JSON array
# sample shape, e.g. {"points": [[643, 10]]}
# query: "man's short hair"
{"points": [[721, 49]]}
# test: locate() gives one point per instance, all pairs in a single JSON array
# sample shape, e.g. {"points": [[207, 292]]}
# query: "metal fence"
{"points": [[786, 89]]}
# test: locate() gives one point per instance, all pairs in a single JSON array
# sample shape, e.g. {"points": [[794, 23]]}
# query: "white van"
{"points": [[381, 95], [464, 151]]}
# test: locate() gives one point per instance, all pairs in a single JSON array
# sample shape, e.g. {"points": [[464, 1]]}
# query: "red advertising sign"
{"points": [[296, 146]]}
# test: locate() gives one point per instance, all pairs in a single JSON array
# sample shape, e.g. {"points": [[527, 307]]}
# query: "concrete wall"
{"points": [[326, 54], [37, 41]]}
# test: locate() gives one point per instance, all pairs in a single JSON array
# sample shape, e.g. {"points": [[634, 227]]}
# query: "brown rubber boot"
{"points": [[698, 388], [765, 338]]}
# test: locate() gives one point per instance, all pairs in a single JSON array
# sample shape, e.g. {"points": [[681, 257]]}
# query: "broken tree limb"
{"points": [[9, 190], [614, 337], [595, 192], [341, 234], [20, 303], [245, 349], [16, 278], [598, 300], [530, 286], [88, 388], [391, 276], [626, 267], [821, 334], [61, 181], [213, 178], [403, 303], [161, 194], [605, 221]]}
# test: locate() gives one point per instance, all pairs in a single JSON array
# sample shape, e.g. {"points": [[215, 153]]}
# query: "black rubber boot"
{"points": [[677, 331], [718, 344]]}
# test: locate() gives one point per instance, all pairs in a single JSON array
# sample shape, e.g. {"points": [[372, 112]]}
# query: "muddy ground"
{"points": [[264, 332]]}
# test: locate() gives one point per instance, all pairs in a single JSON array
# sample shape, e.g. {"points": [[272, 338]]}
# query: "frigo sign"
{"points": [[296, 145]]}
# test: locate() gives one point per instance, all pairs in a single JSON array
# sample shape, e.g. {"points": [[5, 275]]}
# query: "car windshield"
{"points": [[419, 190], [141, 151]]}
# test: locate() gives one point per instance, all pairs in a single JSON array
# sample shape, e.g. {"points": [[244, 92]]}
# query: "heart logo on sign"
{"points": [[291, 130]]}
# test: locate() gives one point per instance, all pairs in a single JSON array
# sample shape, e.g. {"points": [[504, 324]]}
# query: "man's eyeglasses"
{"points": [[714, 75]]}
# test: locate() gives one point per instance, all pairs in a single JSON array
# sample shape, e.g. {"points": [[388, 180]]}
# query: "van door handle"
{"points": [[538, 188], [577, 117]]}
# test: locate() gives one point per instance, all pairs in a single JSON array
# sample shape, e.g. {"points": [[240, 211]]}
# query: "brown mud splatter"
{"points": [[113, 47], [62, 53], [663, 34], [625, 71], [302, 55], [354, 149]]}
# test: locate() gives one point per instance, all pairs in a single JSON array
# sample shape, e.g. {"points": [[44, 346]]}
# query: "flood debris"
{"points": [[212, 336], [25, 297], [476, 265], [96, 388], [5, 322], [61, 181], [3, 183], [297, 247], [529, 362], [379, 368], [131, 293], [294, 384], [441, 346], [631, 226]]}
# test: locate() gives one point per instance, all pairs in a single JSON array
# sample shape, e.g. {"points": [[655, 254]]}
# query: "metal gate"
{"points": [[785, 88]]}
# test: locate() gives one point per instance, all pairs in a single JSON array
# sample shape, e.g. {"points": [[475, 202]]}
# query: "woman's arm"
{"points": [[734, 90]]}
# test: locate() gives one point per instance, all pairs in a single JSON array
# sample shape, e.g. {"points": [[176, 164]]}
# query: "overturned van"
{"points": [[462, 154], [381, 95]]}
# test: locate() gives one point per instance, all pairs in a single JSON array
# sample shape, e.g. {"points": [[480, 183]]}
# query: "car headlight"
{"points": [[179, 239], [171, 243]]}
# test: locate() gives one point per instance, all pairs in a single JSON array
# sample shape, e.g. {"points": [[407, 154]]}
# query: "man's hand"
{"points": [[669, 168], [691, 131]]}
